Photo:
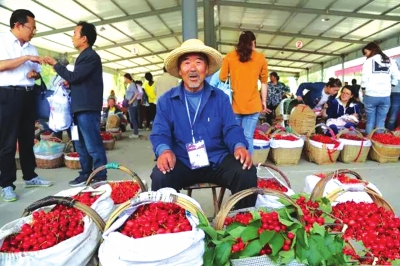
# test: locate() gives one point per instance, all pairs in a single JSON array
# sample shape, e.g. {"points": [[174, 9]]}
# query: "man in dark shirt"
{"points": [[86, 84]]}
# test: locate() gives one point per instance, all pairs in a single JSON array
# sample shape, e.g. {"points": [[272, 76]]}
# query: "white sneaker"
{"points": [[133, 136]]}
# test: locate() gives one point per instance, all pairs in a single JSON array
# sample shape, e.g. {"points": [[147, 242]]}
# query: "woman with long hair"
{"points": [[343, 112], [379, 75], [131, 95], [245, 66], [149, 89]]}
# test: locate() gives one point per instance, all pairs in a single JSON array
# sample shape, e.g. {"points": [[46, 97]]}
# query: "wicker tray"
{"points": [[383, 153], [353, 153], [302, 120]]}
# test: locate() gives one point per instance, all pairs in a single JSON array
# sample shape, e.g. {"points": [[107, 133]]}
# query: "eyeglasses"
{"points": [[346, 93], [32, 29]]}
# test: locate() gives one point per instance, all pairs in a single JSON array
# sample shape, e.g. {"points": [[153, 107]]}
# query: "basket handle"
{"points": [[228, 205], [276, 169], [320, 186], [117, 166], [346, 130], [378, 128], [69, 202], [182, 202], [67, 146], [54, 139]]}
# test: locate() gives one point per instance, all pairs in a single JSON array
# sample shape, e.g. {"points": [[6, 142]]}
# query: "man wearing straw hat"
{"points": [[195, 135]]}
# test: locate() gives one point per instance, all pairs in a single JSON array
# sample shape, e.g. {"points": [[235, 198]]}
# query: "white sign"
{"points": [[299, 44], [135, 50]]}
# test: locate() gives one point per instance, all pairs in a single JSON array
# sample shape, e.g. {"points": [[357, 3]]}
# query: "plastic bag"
{"points": [[48, 148], [60, 110]]}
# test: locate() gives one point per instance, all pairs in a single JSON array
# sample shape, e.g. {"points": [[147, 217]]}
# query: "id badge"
{"points": [[74, 133], [197, 154]]}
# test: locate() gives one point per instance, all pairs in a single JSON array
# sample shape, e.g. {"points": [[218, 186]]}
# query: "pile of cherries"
{"points": [[285, 137], [156, 218], [271, 184], [105, 136], [47, 229], [123, 191]]}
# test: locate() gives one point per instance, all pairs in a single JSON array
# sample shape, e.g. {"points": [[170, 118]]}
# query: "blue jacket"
{"points": [[335, 109], [314, 94], [215, 124], [86, 81]]}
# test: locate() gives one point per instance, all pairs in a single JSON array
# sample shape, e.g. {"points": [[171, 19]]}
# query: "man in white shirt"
{"points": [[19, 67], [165, 83]]}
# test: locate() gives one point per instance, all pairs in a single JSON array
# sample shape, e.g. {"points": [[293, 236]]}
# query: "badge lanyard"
{"points": [[195, 115]]}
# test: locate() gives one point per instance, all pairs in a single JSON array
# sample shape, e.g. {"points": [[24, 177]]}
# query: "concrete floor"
{"points": [[137, 155]]}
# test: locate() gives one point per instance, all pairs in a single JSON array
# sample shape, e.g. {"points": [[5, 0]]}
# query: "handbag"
{"points": [[226, 88], [41, 95]]}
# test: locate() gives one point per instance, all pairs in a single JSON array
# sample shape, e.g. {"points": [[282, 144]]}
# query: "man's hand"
{"points": [[166, 161], [50, 60], [299, 98], [244, 156], [33, 74]]}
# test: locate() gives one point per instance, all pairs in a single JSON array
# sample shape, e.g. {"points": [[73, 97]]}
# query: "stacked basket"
{"points": [[286, 151], [355, 147], [52, 160]]}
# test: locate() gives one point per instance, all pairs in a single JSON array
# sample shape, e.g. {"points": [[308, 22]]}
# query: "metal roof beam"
{"points": [[134, 57], [115, 20], [324, 12], [146, 65], [136, 41], [297, 35], [285, 50]]}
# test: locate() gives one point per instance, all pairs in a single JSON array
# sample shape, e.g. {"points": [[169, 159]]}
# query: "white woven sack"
{"points": [[261, 261], [184, 248], [277, 143], [328, 146], [355, 192], [104, 205], [77, 250], [349, 142]]}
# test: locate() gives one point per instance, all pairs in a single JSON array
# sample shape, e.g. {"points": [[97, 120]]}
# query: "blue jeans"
{"points": [[376, 109], [393, 111], [249, 123], [132, 110], [90, 145]]}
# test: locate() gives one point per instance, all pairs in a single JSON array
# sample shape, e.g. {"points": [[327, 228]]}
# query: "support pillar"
{"points": [[342, 57], [322, 72], [189, 19], [308, 74], [209, 25]]}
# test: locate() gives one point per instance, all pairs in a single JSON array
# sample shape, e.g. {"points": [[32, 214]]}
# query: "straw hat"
{"points": [[193, 46]]}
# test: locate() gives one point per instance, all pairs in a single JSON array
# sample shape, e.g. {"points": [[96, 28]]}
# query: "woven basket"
{"points": [[71, 162], [383, 153], [225, 212], [260, 153], [353, 153], [109, 144], [285, 156], [116, 166], [46, 136], [322, 155], [45, 163], [117, 135], [302, 120], [319, 189], [396, 132]]}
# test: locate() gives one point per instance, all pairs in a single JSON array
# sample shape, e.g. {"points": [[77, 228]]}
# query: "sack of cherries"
{"points": [[164, 221], [54, 235]]}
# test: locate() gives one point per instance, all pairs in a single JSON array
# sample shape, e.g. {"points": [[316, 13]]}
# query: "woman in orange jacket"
{"points": [[246, 66]]}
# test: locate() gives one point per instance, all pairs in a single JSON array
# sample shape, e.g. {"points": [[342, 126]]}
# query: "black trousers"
{"points": [[17, 123], [228, 174]]}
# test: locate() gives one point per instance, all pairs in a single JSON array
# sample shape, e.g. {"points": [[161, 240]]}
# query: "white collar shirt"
{"points": [[11, 49]]}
